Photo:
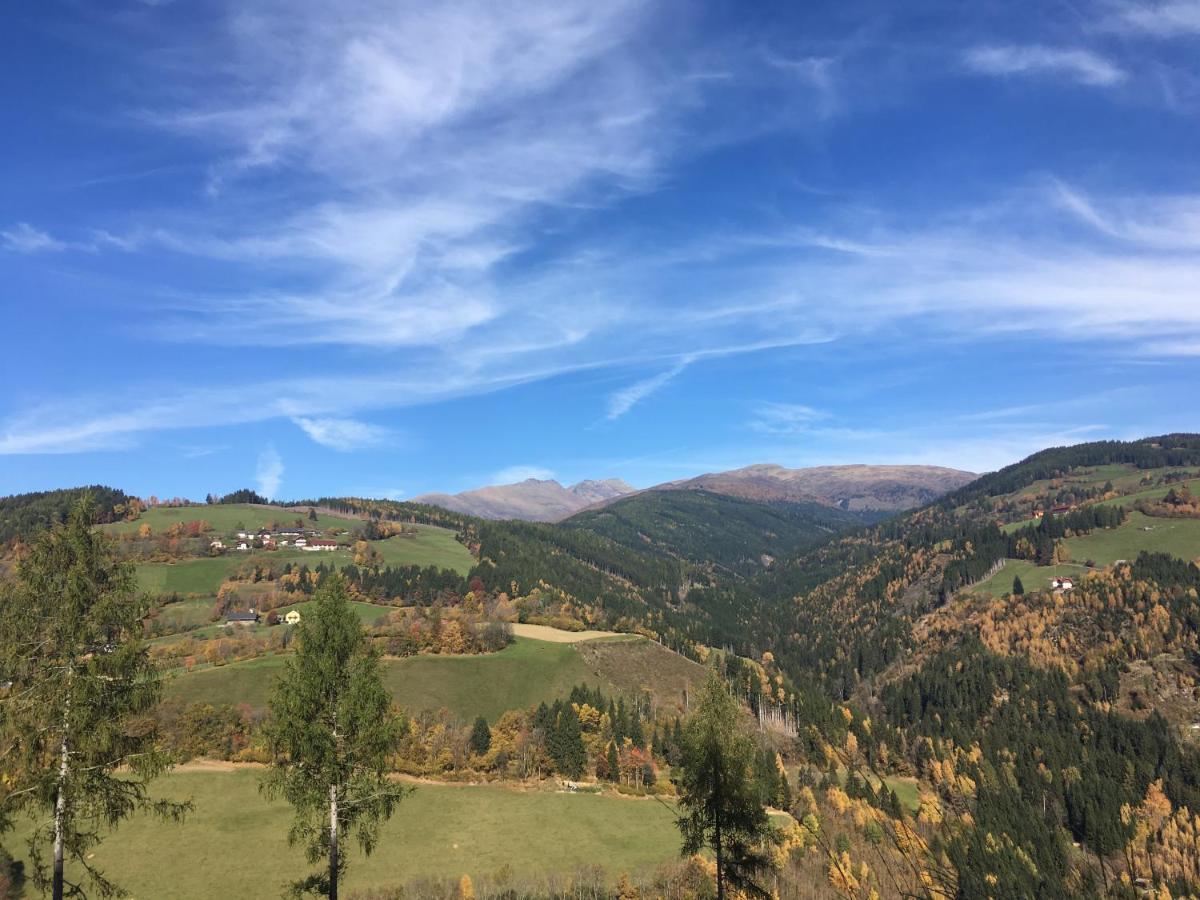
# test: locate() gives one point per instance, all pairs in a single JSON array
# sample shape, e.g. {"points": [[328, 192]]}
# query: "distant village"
{"points": [[273, 540]]}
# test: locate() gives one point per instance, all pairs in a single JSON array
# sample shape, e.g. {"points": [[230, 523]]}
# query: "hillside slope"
{"points": [[855, 487], [535, 500], [719, 534]]}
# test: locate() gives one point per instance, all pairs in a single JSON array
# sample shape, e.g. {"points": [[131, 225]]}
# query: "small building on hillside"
{"points": [[216, 545], [301, 542], [1062, 584], [241, 619], [293, 617], [320, 544]]}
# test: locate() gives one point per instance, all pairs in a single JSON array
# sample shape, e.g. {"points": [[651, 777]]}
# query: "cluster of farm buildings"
{"points": [[268, 540]]}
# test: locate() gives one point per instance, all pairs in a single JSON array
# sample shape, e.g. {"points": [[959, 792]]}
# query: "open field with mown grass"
{"points": [[1179, 537], [186, 614], [368, 613], [232, 517], [234, 843], [524, 674], [432, 546], [1033, 577]]}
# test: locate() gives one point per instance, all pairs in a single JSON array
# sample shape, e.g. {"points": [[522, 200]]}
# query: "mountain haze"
{"points": [[533, 499]]}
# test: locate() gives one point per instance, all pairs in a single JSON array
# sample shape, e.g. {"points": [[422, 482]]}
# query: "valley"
{"points": [[889, 667]]}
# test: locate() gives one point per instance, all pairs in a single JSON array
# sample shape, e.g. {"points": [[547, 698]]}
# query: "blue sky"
{"points": [[383, 249]]}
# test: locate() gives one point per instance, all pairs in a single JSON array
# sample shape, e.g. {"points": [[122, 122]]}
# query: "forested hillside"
{"points": [[23, 514], [722, 535]]}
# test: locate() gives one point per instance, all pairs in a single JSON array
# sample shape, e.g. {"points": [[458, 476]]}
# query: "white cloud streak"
{"points": [[1163, 19], [622, 401], [1082, 66], [24, 238], [342, 434], [269, 472], [785, 418]]}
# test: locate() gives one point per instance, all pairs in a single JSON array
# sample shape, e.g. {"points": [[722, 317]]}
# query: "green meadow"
{"points": [[232, 517], [1179, 537], [431, 546], [523, 674], [1033, 577], [234, 843]]}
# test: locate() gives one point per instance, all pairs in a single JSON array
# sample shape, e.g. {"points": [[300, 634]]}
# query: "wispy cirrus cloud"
{"points": [[24, 238], [622, 401], [342, 434], [1163, 19], [1080, 65], [785, 418]]}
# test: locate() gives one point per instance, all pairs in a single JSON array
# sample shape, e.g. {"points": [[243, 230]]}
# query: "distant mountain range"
{"points": [[533, 499], [857, 488]]}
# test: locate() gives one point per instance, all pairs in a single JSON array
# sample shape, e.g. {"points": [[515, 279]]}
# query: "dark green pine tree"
{"points": [[636, 734], [1018, 588], [570, 756], [718, 794], [70, 643], [614, 763], [481, 737], [331, 734]]}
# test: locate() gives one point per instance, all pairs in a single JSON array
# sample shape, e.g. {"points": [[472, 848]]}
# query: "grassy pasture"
{"points": [[225, 518], [523, 674], [186, 613], [432, 546], [203, 575], [1153, 493], [1179, 537], [234, 844], [1033, 577], [368, 613]]}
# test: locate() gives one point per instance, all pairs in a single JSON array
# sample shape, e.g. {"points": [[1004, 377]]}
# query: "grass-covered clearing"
{"points": [[1179, 537], [186, 614], [1033, 577], [431, 546], [1153, 493], [234, 844], [368, 613], [522, 675], [232, 517]]}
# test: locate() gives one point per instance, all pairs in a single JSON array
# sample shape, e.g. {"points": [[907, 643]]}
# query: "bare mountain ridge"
{"points": [[534, 499], [854, 487]]}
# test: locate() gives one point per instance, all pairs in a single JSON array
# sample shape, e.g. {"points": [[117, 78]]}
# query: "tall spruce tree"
{"points": [[722, 807], [77, 709], [481, 737], [331, 733]]}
